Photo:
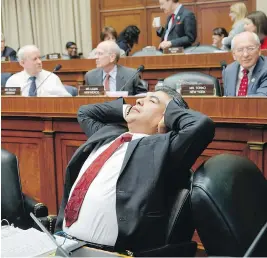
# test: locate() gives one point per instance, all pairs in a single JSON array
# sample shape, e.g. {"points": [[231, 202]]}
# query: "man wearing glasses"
{"points": [[247, 76], [110, 74]]}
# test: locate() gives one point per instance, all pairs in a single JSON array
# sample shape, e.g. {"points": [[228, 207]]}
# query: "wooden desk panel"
{"points": [[44, 133]]}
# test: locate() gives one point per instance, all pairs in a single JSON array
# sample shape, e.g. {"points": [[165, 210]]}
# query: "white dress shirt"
{"points": [[51, 87], [240, 76], [97, 221], [112, 78], [170, 22]]}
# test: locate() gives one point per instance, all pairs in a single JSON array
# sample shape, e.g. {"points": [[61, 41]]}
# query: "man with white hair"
{"points": [[247, 76], [33, 80], [114, 77]]}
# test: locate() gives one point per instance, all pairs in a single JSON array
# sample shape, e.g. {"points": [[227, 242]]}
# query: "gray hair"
{"points": [[22, 53], [248, 32], [171, 92], [112, 48]]}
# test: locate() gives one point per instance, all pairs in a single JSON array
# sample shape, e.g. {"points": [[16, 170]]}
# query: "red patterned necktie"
{"points": [[173, 15], [75, 202], [243, 88], [106, 82]]}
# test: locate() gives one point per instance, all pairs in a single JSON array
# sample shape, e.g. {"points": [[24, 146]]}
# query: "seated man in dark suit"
{"points": [[247, 76], [118, 183], [114, 77], [7, 51], [180, 29]]}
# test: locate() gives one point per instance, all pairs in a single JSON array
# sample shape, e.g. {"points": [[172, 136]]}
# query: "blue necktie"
{"points": [[32, 90]]}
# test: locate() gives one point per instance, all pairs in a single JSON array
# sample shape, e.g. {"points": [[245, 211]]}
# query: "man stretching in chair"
{"points": [[118, 183]]}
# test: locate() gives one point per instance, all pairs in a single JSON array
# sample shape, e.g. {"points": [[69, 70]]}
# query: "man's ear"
{"points": [[234, 56], [21, 62], [112, 58]]}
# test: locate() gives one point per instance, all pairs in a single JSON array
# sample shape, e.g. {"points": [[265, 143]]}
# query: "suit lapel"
{"points": [[98, 80], [120, 81], [131, 147], [176, 18], [166, 27], [254, 76], [231, 87]]}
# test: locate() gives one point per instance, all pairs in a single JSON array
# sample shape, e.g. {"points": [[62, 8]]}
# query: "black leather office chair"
{"points": [[147, 53], [229, 203], [16, 206], [176, 80], [201, 49], [180, 227], [71, 90]]}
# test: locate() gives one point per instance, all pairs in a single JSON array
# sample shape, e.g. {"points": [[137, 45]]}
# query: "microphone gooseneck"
{"points": [[57, 67], [141, 68]]}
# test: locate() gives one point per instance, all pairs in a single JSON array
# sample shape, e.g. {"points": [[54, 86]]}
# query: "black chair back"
{"points": [[201, 49], [71, 90], [4, 78], [176, 80], [12, 207], [229, 203], [147, 53]]}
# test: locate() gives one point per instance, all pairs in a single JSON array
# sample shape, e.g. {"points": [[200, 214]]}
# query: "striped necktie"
{"points": [[33, 90]]}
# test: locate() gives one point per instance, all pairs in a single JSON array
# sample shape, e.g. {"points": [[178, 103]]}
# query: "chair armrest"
{"points": [[38, 209], [184, 249], [49, 222]]}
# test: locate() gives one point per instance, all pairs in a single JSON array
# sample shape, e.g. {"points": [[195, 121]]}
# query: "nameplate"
{"points": [[173, 50], [10, 91], [197, 90], [53, 56], [87, 90]]}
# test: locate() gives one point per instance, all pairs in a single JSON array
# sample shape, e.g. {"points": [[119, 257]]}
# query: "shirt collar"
{"points": [[27, 76], [112, 73], [250, 69], [137, 135]]}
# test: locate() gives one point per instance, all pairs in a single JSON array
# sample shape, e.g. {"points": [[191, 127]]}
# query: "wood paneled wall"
{"points": [[121, 13]]}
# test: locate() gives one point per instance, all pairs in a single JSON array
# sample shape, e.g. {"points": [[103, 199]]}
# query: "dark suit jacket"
{"points": [[258, 82], [183, 32], [9, 52], [153, 166], [134, 86]]}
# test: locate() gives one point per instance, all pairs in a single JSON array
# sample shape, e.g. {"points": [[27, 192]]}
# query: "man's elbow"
{"points": [[208, 128], [81, 112]]}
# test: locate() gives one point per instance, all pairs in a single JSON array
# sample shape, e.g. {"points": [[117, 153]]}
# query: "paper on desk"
{"points": [[26, 243]]}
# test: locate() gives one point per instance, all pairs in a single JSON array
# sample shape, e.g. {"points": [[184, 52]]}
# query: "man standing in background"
{"points": [[180, 29]]}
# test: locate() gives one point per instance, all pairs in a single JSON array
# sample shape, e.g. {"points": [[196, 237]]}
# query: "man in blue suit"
{"points": [[247, 76], [7, 51]]}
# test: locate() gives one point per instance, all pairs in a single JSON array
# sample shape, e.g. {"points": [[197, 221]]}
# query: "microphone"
{"points": [[141, 68], [194, 47], [57, 67]]}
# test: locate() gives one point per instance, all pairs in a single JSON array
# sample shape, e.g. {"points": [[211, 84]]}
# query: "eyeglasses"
{"points": [[75, 48], [249, 50]]}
